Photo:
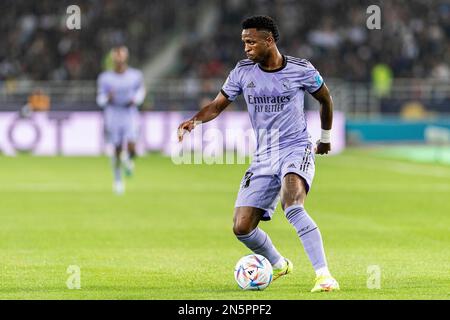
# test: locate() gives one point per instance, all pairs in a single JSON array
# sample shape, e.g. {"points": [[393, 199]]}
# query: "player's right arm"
{"points": [[207, 113], [230, 90], [104, 95]]}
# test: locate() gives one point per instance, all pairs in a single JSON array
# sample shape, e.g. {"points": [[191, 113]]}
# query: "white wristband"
{"points": [[196, 123], [325, 136]]}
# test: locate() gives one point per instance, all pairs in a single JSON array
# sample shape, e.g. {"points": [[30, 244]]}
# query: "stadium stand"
{"points": [[333, 35], [411, 51]]}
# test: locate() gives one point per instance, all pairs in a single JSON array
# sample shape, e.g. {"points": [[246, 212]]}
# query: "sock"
{"points": [[259, 242], [280, 264], [116, 169], [323, 272], [309, 234]]}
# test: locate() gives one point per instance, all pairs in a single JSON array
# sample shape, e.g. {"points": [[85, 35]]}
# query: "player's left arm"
{"points": [[139, 95], [326, 118]]}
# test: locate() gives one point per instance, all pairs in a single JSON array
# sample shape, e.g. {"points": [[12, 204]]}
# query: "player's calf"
{"points": [[246, 229]]}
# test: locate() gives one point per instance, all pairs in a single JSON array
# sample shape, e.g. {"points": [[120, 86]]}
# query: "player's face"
{"points": [[120, 56], [256, 44]]}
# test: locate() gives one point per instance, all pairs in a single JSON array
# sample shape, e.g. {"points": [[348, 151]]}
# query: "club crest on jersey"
{"points": [[286, 84], [318, 79]]}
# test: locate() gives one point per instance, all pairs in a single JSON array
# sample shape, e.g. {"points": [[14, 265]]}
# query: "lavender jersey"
{"points": [[125, 87], [121, 114], [275, 100]]}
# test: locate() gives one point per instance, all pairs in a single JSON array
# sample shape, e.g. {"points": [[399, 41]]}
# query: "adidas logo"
{"points": [[292, 166], [251, 85], [304, 229]]}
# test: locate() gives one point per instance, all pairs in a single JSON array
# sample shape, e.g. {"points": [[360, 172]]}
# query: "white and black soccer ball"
{"points": [[253, 272]]}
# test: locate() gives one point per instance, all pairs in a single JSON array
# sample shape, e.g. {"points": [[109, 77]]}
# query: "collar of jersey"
{"points": [[277, 69]]}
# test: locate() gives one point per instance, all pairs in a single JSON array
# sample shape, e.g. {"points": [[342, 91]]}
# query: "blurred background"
{"points": [[392, 84], [381, 201]]}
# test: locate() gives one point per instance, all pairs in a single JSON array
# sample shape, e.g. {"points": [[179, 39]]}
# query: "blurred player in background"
{"points": [[119, 93], [274, 86]]}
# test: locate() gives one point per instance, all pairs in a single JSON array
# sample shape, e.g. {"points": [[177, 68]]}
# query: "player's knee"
{"points": [[293, 191], [291, 197], [242, 228]]}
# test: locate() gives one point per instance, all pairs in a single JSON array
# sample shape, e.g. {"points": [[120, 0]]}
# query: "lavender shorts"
{"points": [[122, 126], [261, 184]]}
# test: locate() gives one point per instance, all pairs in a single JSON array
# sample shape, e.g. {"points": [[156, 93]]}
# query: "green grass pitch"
{"points": [[170, 236]]}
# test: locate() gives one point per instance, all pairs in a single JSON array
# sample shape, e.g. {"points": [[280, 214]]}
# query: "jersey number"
{"points": [[247, 177]]}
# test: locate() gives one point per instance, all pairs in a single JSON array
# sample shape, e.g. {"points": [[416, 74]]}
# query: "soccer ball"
{"points": [[253, 272]]}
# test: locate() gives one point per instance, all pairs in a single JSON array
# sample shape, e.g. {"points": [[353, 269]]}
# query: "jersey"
{"points": [[275, 101], [121, 117], [125, 87]]}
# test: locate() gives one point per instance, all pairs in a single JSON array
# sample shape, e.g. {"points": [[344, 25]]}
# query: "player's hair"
{"points": [[119, 46], [262, 23]]}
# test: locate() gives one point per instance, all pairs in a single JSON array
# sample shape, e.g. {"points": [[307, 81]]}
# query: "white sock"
{"points": [[280, 263], [323, 272]]}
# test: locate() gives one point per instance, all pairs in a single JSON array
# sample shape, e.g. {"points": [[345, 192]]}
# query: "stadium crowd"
{"points": [[332, 34], [413, 40], [36, 44]]}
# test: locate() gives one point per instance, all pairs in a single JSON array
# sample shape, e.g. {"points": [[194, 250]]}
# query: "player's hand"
{"points": [[322, 148], [110, 97], [185, 126]]}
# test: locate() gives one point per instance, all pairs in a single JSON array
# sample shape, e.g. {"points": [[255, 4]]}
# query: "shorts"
{"points": [[121, 126], [261, 184]]}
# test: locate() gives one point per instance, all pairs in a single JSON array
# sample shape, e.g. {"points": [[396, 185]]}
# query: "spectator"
{"points": [[39, 101]]}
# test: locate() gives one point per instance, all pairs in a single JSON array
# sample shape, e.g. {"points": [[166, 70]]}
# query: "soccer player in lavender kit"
{"points": [[274, 86], [119, 93]]}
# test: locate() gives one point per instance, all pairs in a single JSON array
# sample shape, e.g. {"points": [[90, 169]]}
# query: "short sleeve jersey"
{"points": [[275, 99]]}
